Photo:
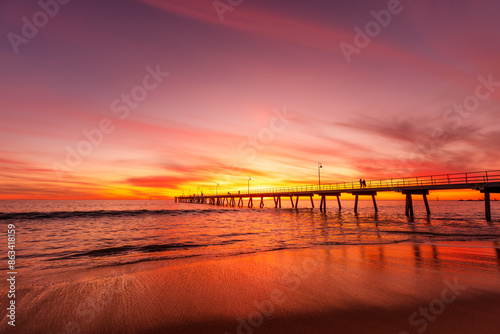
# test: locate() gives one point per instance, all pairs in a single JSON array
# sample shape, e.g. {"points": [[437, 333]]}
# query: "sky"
{"points": [[150, 98]]}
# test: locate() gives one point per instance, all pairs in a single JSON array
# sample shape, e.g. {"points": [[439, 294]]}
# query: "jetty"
{"points": [[486, 182]]}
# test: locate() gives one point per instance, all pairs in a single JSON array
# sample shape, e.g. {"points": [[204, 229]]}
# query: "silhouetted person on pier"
{"points": [[360, 183], [364, 183]]}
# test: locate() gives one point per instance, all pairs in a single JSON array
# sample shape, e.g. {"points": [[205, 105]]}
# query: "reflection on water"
{"points": [[57, 234], [497, 249], [446, 257], [418, 256]]}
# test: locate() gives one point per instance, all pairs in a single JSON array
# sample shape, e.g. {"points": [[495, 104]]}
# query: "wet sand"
{"points": [[403, 288]]}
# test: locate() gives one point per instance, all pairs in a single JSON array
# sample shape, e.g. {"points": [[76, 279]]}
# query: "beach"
{"points": [[398, 288], [248, 167]]}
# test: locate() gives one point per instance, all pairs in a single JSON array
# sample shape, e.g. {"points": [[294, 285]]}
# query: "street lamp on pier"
{"points": [[249, 185], [319, 175]]}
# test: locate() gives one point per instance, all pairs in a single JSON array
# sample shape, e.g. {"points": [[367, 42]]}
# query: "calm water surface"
{"points": [[71, 234]]}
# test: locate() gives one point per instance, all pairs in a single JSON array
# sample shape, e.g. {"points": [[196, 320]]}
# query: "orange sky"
{"points": [[139, 99]]}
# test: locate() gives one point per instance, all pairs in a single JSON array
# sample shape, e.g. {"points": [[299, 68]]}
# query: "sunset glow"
{"points": [[150, 98]]}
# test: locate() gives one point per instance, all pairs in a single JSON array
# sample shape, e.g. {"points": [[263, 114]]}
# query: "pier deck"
{"points": [[486, 182]]}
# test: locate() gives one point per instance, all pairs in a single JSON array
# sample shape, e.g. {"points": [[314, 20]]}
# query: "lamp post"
{"points": [[249, 185], [319, 175], [217, 189]]}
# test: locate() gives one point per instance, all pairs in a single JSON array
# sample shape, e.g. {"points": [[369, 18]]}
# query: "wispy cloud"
{"points": [[265, 24]]}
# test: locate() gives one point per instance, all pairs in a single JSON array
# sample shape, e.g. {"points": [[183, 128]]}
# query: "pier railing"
{"points": [[416, 181]]}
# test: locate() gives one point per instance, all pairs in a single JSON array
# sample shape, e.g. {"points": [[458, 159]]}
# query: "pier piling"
{"points": [[427, 208], [322, 204], [487, 205], [374, 203]]}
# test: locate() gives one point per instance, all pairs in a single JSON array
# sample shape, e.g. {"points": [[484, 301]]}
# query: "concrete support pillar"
{"points": [[487, 205], [409, 206], [322, 204], [374, 203], [427, 208]]}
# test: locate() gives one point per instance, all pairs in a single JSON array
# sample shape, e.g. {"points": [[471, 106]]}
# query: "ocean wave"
{"points": [[129, 248], [482, 234], [96, 214]]}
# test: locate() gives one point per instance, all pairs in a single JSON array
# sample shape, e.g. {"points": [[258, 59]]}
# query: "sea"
{"points": [[80, 234]]}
